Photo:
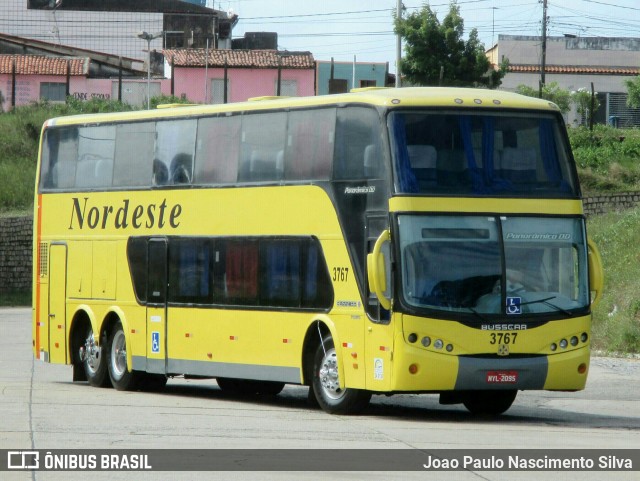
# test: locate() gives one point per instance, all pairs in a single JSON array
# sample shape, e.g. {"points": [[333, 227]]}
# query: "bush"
{"points": [[616, 321]]}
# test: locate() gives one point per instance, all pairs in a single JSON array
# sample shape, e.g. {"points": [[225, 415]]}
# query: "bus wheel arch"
{"points": [[317, 331], [324, 373]]}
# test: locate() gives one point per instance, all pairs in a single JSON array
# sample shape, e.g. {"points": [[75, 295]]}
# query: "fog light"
{"points": [[582, 368], [413, 368], [438, 344], [426, 341], [574, 341], [584, 336], [449, 348], [412, 338], [554, 346], [564, 344]]}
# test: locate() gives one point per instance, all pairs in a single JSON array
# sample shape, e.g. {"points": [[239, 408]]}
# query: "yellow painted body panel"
{"points": [[480, 205]]}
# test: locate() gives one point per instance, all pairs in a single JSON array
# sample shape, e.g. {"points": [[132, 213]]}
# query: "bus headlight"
{"points": [[564, 343], [438, 344], [426, 341]]}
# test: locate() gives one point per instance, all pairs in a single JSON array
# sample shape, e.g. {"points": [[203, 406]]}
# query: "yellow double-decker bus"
{"points": [[422, 240]]}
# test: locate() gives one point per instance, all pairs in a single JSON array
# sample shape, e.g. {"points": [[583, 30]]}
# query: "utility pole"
{"points": [[398, 45], [543, 63]]}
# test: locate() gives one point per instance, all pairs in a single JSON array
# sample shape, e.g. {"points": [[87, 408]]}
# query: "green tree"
{"points": [[551, 92], [436, 53], [584, 102], [633, 91]]}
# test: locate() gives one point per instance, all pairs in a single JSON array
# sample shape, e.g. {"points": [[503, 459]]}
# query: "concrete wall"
{"points": [[16, 233]]}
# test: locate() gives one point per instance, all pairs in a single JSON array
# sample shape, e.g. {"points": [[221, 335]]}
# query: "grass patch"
{"points": [[616, 320], [16, 298]]}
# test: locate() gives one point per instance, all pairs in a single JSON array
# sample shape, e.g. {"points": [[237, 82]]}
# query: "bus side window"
{"points": [[174, 147], [59, 158], [217, 150], [263, 137], [357, 130], [133, 158], [309, 152], [96, 146]]}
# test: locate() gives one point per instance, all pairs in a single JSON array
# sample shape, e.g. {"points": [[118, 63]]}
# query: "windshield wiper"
{"points": [[546, 302], [478, 315]]}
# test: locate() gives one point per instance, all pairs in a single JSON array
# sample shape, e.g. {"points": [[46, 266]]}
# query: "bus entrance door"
{"points": [[57, 303], [157, 306]]}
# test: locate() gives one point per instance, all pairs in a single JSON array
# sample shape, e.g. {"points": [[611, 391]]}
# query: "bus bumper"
{"points": [[417, 370]]}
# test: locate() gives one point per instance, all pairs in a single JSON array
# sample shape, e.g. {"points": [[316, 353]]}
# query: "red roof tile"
{"points": [[195, 57], [40, 65], [571, 69]]}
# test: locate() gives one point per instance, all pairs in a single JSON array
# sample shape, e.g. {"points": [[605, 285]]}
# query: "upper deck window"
{"points": [[481, 154]]}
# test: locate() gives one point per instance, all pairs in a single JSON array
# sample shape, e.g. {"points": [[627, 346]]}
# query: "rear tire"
{"points": [[489, 402], [94, 360], [326, 383], [121, 378]]}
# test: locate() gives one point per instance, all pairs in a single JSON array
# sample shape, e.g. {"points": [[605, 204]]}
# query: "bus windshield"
{"points": [[498, 153], [461, 263]]}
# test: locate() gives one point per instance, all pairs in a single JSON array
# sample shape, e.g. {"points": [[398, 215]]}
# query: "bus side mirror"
{"points": [[376, 270], [596, 273]]}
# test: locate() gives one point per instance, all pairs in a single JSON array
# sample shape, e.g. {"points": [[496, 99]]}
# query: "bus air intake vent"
{"points": [[44, 259]]}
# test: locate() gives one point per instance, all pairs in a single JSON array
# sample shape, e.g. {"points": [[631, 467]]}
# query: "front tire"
{"points": [[489, 402], [326, 383], [121, 378]]}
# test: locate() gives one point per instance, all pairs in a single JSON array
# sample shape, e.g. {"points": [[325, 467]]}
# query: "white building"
{"points": [[112, 26], [575, 63]]}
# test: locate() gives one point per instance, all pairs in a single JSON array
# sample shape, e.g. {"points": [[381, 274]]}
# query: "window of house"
{"points": [[54, 91]]}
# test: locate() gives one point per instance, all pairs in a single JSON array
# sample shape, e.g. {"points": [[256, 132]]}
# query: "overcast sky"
{"points": [[344, 28]]}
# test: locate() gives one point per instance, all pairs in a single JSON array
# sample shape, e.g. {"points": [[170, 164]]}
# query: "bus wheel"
{"points": [[489, 402], [93, 360], [121, 378], [326, 383]]}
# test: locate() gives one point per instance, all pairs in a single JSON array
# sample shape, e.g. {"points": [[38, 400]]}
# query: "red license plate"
{"points": [[502, 377]]}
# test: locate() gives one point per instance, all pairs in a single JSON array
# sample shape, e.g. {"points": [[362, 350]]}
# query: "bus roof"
{"points": [[446, 97]]}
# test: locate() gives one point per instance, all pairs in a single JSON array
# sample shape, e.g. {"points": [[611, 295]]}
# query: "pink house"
{"points": [[28, 78], [201, 74]]}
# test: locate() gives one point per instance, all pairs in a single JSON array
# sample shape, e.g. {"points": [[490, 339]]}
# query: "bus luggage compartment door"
{"points": [[57, 303]]}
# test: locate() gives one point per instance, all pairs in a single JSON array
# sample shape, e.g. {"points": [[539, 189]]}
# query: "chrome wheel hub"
{"points": [[118, 355], [328, 374]]}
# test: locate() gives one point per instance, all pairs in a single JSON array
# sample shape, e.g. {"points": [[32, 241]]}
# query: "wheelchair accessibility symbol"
{"points": [[155, 341], [514, 305]]}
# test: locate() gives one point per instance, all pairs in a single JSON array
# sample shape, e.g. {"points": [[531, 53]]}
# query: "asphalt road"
{"points": [[40, 408]]}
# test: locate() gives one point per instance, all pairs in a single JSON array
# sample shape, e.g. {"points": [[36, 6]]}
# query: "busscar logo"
{"points": [[503, 327], [23, 460]]}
